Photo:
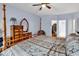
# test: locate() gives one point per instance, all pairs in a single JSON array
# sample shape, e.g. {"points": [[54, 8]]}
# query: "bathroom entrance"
{"points": [[54, 28]]}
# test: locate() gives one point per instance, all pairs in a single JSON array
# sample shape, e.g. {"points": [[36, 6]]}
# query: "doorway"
{"points": [[58, 28], [54, 28]]}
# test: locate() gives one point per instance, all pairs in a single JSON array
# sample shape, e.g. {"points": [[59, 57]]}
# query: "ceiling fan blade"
{"points": [[48, 7], [40, 8], [36, 4], [45, 3]]}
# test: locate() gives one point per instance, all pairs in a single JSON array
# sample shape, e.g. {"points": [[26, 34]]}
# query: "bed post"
{"points": [[4, 26]]}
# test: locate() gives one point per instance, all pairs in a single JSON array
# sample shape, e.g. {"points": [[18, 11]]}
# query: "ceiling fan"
{"points": [[42, 5]]}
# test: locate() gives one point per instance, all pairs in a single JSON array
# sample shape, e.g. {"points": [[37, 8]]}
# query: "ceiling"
{"points": [[57, 8]]}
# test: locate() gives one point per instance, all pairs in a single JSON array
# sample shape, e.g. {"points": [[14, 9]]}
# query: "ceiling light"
{"points": [[43, 6]]}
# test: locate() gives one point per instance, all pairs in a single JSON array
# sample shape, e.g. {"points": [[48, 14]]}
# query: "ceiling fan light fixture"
{"points": [[43, 6]]}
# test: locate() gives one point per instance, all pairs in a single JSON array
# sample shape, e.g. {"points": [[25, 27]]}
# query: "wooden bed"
{"points": [[36, 46], [44, 46]]}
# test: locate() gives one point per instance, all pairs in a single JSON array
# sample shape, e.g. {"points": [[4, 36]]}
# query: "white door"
{"points": [[62, 28]]}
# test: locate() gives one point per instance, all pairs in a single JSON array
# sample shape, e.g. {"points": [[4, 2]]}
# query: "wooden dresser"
{"points": [[18, 34]]}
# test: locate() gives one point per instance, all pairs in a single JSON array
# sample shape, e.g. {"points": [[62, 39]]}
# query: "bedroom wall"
{"points": [[77, 24], [19, 15], [34, 20], [46, 25], [69, 26], [46, 22]]}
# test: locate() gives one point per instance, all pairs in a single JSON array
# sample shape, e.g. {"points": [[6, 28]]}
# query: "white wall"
{"points": [[77, 25], [69, 26], [19, 15]]}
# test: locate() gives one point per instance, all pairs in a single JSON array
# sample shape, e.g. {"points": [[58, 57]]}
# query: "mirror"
{"points": [[25, 24]]}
